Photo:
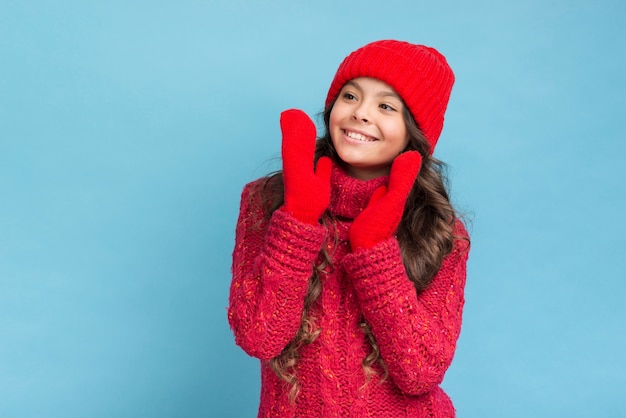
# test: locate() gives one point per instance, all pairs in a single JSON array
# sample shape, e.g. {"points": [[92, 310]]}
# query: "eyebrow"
{"points": [[382, 93]]}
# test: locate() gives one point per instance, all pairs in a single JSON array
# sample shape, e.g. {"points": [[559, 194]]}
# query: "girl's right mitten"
{"points": [[307, 188]]}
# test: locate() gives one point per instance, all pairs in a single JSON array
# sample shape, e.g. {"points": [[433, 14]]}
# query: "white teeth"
{"points": [[359, 137]]}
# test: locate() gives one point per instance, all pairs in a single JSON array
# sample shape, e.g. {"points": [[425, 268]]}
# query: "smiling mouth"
{"points": [[359, 137]]}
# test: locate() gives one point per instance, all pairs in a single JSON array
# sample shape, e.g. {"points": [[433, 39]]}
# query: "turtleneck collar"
{"points": [[349, 196]]}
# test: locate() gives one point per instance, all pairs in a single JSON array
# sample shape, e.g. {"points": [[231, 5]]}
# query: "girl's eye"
{"points": [[385, 106], [349, 96]]}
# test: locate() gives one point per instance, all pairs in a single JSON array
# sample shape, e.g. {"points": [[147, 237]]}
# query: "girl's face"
{"points": [[367, 127]]}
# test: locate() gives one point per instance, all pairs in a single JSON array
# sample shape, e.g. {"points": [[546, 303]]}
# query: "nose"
{"points": [[360, 114]]}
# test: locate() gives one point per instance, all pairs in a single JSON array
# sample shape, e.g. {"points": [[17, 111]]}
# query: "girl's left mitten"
{"points": [[380, 219]]}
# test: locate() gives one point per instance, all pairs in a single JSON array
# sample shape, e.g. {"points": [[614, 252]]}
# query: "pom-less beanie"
{"points": [[418, 73]]}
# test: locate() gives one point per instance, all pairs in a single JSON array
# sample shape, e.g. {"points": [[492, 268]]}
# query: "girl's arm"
{"points": [[272, 263], [417, 334]]}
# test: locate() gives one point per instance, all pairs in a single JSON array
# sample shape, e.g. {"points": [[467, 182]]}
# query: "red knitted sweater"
{"points": [[416, 333]]}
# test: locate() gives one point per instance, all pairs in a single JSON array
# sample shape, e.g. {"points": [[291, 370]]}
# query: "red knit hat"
{"points": [[418, 73]]}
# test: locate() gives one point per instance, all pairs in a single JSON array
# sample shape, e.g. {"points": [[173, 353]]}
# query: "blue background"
{"points": [[128, 128]]}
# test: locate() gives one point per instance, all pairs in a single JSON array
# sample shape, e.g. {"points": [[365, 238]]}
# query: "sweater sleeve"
{"points": [[272, 263], [416, 333]]}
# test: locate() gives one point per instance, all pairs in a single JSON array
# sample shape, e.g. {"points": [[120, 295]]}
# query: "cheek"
{"points": [[405, 141], [398, 133], [332, 119], [332, 125]]}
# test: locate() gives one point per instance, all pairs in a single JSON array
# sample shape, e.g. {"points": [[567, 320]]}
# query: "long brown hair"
{"points": [[425, 235]]}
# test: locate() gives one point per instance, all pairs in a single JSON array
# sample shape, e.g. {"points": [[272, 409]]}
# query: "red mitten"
{"points": [[383, 213], [307, 190]]}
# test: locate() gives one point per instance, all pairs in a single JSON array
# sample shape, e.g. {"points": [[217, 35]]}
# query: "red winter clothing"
{"points": [[417, 334]]}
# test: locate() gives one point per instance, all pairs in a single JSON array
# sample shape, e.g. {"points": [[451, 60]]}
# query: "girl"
{"points": [[349, 265]]}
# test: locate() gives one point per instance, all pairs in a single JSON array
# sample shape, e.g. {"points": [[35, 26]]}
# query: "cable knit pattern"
{"points": [[272, 263]]}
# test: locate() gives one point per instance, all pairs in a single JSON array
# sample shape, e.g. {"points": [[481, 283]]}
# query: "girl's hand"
{"points": [[307, 190], [383, 213]]}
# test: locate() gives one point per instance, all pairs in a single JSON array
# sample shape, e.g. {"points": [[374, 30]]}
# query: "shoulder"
{"points": [[259, 198], [461, 236], [254, 187], [252, 199], [256, 192], [460, 230], [453, 264]]}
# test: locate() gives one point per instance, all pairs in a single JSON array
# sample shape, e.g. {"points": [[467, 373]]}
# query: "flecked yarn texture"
{"points": [[416, 333]]}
